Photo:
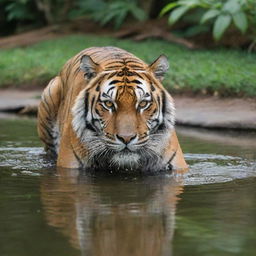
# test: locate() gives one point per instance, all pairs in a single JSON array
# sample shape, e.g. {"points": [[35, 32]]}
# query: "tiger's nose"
{"points": [[126, 139]]}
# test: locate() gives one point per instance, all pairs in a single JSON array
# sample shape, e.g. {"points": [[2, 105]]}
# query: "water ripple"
{"points": [[204, 168]]}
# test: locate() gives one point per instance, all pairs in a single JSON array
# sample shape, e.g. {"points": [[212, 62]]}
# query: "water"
{"points": [[211, 210]]}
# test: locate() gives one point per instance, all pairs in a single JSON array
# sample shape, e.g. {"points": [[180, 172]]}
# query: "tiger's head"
{"points": [[124, 115]]}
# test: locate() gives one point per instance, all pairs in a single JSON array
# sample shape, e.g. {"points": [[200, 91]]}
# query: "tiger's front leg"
{"points": [[72, 153]]}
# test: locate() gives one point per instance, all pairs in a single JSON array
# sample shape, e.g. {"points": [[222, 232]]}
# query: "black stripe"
{"points": [[86, 104], [111, 75], [161, 127], [135, 81], [113, 67], [50, 145], [115, 61], [154, 111], [169, 165], [136, 67], [149, 105], [120, 73], [77, 158], [158, 101], [92, 105], [129, 73], [48, 132], [45, 108], [77, 71], [110, 89], [163, 103], [90, 127], [47, 104], [137, 74], [152, 87], [98, 81], [97, 111], [114, 82], [133, 61], [104, 107]]}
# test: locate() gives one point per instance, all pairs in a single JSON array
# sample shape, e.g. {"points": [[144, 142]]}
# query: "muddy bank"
{"points": [[198, 111], [214, 112]]}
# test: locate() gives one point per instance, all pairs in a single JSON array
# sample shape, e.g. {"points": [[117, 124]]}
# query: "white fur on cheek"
{"points": [[78, 112], [93, 142], [169, 117]]}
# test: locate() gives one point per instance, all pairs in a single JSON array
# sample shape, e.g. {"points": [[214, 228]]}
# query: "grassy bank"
{"points": [[227, 72]]}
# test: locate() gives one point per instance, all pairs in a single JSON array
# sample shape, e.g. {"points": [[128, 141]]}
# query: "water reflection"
{"points": [[112, 216]]}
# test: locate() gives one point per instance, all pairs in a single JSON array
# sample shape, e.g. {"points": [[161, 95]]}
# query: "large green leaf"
{"points": [[220, 25], [190, 3], [177, 13], [167, 8], [209, 15], [232, 6], [138, 13], [240, 21]]}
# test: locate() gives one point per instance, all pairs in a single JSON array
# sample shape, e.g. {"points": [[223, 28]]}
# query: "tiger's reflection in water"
{"points": [[111, 215]]}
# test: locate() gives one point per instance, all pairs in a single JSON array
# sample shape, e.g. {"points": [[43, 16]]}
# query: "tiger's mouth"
{"points": [[125, 159], [126, 150], [110, 154], [118, 146]]}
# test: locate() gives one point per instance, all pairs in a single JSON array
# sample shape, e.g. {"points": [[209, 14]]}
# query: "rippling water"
{"points": [[209, 210]]}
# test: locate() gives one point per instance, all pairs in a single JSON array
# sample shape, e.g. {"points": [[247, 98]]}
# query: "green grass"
{"points": [[228, 72]]}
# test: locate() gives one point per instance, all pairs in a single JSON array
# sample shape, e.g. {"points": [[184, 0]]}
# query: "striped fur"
{"points": [[107, 109]]}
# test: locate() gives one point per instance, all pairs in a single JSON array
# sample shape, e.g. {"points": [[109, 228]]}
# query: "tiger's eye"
{"points": [[143, 104], [109, 104]]}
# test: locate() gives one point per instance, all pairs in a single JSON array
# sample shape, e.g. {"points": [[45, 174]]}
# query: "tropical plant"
{"points": [[19, 10], [38, 11], [104, 12], [222, 13]]}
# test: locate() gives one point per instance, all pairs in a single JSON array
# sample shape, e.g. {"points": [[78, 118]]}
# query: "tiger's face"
{"points": [[122, 117]]}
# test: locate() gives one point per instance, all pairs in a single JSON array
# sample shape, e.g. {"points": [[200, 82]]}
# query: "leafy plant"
{"points": [[19, 10], [42, 11], [224, 13], [109, 11]]}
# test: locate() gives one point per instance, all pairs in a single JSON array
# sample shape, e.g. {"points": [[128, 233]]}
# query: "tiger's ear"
{"points": [[159, 67], [89, 67]]}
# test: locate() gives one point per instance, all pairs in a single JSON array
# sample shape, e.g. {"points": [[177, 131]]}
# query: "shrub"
{"points": [[241, 13], [115, 11]]}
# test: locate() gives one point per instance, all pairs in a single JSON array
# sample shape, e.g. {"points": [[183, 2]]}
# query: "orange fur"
{"points": [[105, 102]]}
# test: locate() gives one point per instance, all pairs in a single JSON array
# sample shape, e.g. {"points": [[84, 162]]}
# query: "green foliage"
{"points": [[227, 72], [241, 13], [19, 10], [220, 25], [104, 12], [54, 11]]}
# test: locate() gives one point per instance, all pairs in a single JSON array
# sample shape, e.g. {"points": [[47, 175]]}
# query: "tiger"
{"points": [[108, 110]]}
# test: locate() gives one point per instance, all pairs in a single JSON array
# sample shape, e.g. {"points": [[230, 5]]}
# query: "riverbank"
{"points": [[223, 72], [197, 111]]}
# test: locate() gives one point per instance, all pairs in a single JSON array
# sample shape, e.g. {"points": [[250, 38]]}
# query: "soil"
{"points": [[215, 112]]}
